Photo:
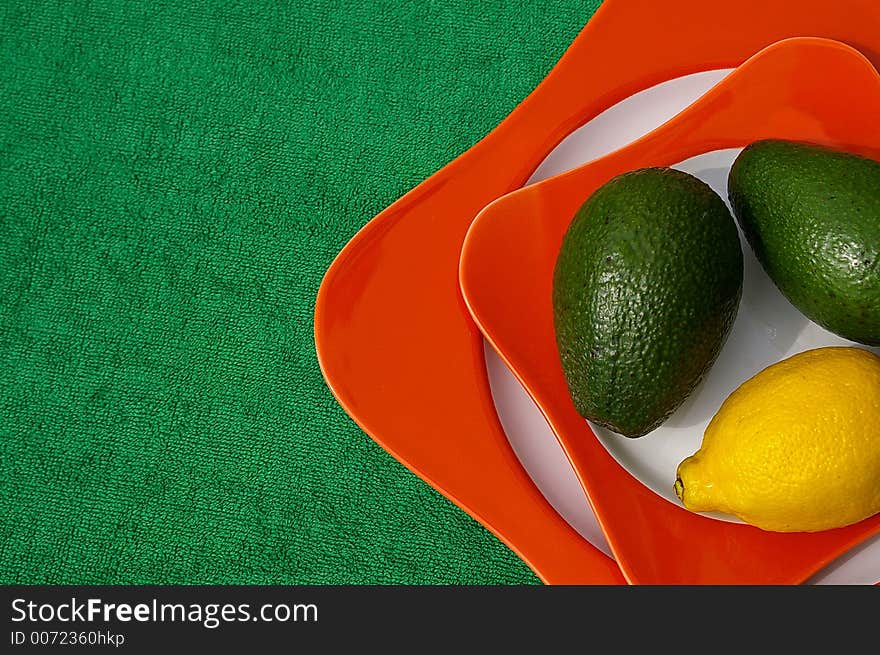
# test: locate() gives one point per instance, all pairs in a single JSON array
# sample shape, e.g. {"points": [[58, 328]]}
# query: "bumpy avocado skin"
{"points": [[812, 216], [645, 290]]}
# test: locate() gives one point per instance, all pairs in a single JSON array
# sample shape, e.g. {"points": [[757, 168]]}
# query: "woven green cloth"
{"points": [[173, 184]]}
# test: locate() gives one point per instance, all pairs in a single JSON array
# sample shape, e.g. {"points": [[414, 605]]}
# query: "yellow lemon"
{"points": [[796, 448]]}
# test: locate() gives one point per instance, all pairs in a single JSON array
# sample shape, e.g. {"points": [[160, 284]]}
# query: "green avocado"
{"points": [[645, 290], [812, 216]]}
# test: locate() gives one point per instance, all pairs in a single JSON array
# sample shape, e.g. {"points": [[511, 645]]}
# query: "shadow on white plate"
{"points": [[767, 328]]}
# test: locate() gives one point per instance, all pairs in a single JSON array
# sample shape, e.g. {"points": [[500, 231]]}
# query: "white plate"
{"points": [[767, 328]]}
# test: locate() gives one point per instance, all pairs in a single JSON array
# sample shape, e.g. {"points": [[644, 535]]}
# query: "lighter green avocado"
{"points": [[812, 216]]}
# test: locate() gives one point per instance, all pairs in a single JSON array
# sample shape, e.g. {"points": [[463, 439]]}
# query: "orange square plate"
{"points": [[803, 89]]}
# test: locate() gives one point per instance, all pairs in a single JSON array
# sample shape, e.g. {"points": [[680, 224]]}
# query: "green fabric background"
{"points": [[173, 184]]}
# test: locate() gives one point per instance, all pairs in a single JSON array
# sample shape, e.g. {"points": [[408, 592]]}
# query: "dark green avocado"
{"points": [[645, 290], [812, 216]]}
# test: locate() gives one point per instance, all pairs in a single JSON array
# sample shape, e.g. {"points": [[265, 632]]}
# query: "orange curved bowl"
{"points": [[394, 339], [799, 89]]}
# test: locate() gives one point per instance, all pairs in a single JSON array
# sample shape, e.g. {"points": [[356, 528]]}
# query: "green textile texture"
{"points": [[173, 184]]}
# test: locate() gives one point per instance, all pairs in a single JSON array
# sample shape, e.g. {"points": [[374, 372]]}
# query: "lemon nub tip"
{"points": [[679, 488]]}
